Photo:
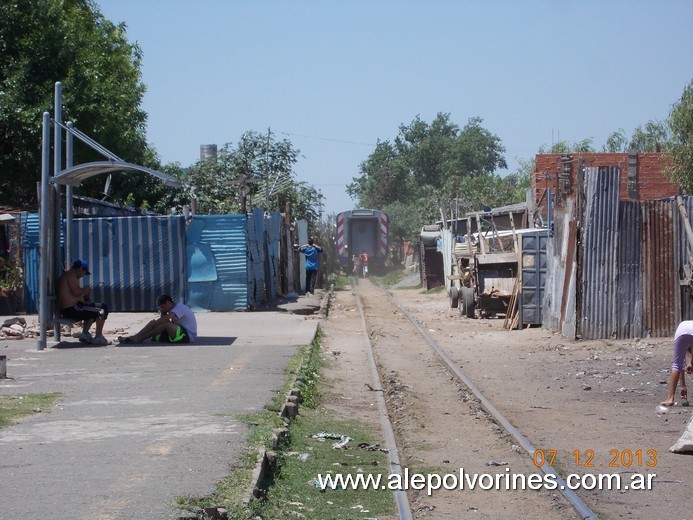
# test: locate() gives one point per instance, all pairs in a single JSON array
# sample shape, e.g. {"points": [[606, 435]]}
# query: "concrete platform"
{"points": [[137, 426]]}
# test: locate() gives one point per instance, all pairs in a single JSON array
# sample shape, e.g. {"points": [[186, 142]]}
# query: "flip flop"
{"points": [[126, 341]]}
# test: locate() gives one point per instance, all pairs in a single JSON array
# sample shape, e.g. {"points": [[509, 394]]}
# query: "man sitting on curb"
{"points": [[71, 302], [177, 324]]}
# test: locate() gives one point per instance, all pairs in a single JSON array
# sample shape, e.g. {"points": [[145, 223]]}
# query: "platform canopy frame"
{"points": [[50, 265]]}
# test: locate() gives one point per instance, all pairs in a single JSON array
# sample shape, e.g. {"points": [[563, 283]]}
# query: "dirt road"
{"points": [[593, 403]]}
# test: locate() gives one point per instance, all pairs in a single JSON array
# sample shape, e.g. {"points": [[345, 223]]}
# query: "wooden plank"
{"points": [[570, 256], [687, 226], [512, 225], [498, 258], [482, 240]]}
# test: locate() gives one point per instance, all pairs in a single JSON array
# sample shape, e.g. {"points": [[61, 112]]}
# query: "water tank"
{"points": [[208, 151]]}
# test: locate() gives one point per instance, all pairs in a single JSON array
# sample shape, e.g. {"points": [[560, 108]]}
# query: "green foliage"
{"points": [[584, 146], [11, 277], [44, 41], [681, 125], [655, 137], [426, 167], [264, 165], [405, 220], [616, 142]]}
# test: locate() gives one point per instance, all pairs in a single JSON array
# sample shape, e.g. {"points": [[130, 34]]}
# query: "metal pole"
{"points": [[69, 210], [43, 232], [56, 258]]}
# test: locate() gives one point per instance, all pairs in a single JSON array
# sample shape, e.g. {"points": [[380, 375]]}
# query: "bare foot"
{"points": [[668, 402]]}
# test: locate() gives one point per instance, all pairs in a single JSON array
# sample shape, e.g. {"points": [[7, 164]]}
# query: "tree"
{"points": [[44, 41], [384, 178], [263, 167], [426, 167], [681, 126], [616, 142], [655, 137], [584, 146]]}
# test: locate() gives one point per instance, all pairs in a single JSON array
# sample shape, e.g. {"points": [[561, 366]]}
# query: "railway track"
{"points": [[438, 423]]}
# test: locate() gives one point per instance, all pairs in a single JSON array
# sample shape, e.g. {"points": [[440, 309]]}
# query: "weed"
{"points": [[14, 407], [292, 492]]}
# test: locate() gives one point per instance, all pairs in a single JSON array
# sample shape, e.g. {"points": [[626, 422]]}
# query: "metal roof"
{"points": [[75, 175]]}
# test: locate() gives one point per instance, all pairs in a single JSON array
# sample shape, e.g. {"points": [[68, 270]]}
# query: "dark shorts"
{"points": [[85, 311], [180, 337]]}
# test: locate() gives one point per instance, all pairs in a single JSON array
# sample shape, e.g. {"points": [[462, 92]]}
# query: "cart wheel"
{"points": [[454, 297], [468, 301]]}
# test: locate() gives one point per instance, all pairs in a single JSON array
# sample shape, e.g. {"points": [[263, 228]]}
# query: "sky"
{"points": [[334, 77]]}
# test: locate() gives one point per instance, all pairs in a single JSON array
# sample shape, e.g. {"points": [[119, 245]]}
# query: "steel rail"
{"points": [[401, 498], [574, 500]]}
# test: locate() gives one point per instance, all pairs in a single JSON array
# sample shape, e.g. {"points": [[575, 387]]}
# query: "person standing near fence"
{"points": [[311, 251]]}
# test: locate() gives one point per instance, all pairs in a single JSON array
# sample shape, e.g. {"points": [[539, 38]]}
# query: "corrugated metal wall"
{"points": [[629, 308], [30, 257], [256, 257], [630, 259], [660, 267], [217, 263], [132, 259], [599, 276], [273, 225]]}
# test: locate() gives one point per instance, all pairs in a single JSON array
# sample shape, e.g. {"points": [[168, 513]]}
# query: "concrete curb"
{"points": [[267, 460]]}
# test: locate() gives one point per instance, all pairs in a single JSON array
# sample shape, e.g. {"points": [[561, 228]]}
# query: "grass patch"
{"points": [[14, 407], [390, 278], [337, 280], [293, 493]]}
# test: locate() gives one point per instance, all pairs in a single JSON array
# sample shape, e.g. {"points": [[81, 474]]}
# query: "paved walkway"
{"points": [[138, 426]]}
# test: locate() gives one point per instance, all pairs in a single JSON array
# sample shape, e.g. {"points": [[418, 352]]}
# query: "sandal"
{"points": [[126, 341]]}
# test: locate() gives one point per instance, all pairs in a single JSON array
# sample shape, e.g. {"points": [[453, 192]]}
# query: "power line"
{"points": [[328, 139]]}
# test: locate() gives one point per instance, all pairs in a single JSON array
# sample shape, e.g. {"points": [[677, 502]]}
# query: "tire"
{"points": [[454, 297], [468, 301]]}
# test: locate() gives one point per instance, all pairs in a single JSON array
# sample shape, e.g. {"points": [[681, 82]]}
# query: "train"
{"points": [[361, 230]]}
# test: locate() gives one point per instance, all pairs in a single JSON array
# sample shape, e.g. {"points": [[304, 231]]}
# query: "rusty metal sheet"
{"points": [[660, 267]]}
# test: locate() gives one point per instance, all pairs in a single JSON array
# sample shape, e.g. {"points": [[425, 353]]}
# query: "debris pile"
{"points": [[13, 328]]}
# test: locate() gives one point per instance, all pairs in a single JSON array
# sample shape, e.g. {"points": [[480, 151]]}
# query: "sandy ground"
{"points": [[592, 402]]}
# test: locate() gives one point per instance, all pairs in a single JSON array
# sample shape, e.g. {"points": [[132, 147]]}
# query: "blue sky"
{"points": [[333, 77]]}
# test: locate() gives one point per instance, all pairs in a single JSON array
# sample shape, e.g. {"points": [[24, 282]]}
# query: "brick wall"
{"points": [[650, 180]]}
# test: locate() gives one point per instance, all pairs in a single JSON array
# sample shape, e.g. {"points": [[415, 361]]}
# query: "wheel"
{"points": [[454, 297], [468, 301]]}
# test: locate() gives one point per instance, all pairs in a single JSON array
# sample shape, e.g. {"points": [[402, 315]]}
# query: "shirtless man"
{"points": [[71, 302]]}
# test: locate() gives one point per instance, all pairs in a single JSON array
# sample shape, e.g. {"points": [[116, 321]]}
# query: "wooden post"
{"points": [[3, 367]]}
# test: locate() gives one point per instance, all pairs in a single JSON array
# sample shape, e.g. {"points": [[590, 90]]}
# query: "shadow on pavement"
{"points": [[202, 341]]}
